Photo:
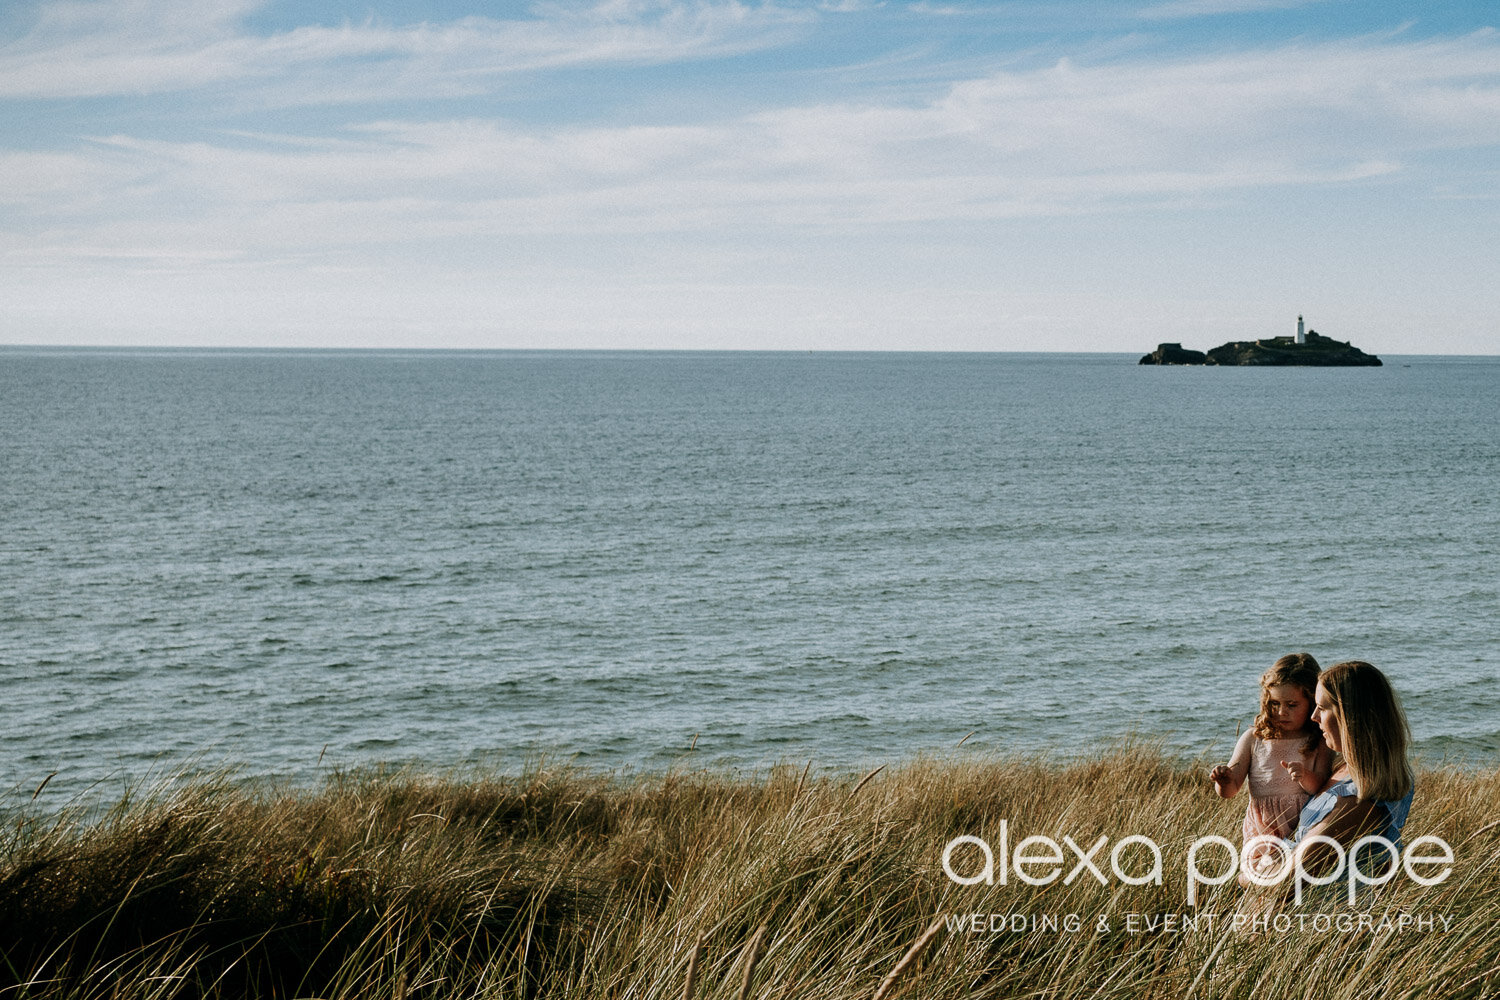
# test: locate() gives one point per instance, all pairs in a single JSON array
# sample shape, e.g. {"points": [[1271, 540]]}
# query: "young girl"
{"points": [[1283, 754]]}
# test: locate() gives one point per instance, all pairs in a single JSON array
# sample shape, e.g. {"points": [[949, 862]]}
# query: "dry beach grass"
{"points": [[561, 883]]}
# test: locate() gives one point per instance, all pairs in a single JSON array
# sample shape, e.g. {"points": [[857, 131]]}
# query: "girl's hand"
{"points": [[1219, 773], [1295, 769]]}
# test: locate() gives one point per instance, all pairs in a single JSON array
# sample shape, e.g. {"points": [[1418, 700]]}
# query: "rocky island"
{"points": [[1306, 348]]}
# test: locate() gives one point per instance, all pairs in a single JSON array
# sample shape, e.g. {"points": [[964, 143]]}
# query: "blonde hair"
{"points": [[1299, 670], [1372, 729]]}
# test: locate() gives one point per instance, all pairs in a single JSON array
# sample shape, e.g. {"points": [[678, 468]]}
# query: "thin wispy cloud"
{"points": [[135, 48], [1177, 9]]}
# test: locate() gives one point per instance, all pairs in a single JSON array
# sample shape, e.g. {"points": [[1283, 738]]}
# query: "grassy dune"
{"points": [[558, 883]]}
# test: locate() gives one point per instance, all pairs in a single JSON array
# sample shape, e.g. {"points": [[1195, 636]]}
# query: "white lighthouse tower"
{"points": [[1301, 332]]}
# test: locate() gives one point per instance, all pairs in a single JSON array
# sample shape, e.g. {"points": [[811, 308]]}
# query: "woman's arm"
{"points": [[1322, 767], [1349, 821]]}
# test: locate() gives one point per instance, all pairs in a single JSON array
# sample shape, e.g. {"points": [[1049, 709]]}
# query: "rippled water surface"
{"points": [[276, 557]]}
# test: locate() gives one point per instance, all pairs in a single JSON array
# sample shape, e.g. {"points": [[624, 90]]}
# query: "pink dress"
{"points": [[1275, 797]]}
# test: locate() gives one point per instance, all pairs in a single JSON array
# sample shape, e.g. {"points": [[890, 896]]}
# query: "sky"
{"points": [[1101, 175]]}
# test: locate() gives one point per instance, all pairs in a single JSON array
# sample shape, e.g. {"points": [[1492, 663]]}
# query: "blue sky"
{"points": [[938, 174]]}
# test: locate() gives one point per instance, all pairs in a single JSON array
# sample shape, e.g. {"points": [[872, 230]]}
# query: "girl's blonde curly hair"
{"points": [[1299, 670]]}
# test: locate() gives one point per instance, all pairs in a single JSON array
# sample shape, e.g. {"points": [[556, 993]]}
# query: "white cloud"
{"points": [[1300, 103]]}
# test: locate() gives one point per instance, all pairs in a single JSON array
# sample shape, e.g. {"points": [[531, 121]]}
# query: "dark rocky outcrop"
{"points": [[1319, 350], [1173, 354]]}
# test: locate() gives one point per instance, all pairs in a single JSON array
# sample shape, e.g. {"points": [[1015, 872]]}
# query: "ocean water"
{"points": [[294, 561]]}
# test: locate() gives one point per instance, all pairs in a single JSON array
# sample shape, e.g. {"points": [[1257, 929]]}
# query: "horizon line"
{"points": [[345, 349]]}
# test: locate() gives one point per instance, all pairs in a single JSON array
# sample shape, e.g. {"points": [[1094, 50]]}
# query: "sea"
{"points": [[295, 563]]}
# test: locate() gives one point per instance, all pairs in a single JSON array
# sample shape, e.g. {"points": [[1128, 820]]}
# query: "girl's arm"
{"points": [[1228, 778], [1311, 777]]}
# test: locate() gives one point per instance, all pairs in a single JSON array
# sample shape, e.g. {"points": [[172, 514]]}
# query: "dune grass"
{"points": [[562, 883]]}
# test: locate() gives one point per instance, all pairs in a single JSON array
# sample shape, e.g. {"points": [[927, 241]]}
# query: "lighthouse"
{"points": [[1301, 332]]}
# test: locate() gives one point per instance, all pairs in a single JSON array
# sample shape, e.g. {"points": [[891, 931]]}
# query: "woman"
{"points": [[1371, 787]]}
